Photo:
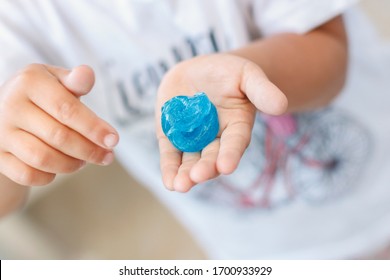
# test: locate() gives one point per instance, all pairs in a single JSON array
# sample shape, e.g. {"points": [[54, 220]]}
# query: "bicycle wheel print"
{"points": [[333, 158]]}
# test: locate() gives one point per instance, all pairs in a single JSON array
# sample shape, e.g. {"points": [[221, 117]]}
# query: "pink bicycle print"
{"points": [[316, 156]]}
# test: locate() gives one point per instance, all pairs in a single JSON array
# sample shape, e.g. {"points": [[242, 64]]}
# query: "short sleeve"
{"points": [[298, 16]]}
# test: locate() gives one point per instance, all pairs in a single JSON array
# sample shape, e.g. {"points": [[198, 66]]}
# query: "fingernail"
{"points": [[108, 159], [110, 140]]}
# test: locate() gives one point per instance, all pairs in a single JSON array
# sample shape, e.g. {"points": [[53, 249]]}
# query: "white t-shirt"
{"points": [[321, 192]]}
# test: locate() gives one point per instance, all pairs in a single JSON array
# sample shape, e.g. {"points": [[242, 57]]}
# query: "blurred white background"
{"points": [[102, 213]]}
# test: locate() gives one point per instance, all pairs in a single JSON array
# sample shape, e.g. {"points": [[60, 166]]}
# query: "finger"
{"points": [[261, 92], [61, 137], [54, 99], [170, 161], [182, 181], [38, 155], [206, 169], [21, 173], [79, 80], [234, 140]]}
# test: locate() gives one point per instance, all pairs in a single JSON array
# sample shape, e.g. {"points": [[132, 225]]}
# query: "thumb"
{"points": [[263, 94], [79, 80]]}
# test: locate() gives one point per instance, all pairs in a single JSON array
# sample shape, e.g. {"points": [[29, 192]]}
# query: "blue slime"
{"points": [[190, 122]]}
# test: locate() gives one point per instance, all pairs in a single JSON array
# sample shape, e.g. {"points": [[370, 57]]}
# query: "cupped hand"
{"points": [[237, 87]]}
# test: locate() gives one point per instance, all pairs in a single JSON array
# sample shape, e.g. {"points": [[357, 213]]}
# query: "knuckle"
{"points": [[94, 127], [95, 155], [40, 159], [59, 136], [66, 111], [33, 177], [28, 177], [28, 74], [73, 166], [92, 155]]}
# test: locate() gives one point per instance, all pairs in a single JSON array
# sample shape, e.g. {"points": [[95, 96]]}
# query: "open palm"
{"points": [[237, 87]]}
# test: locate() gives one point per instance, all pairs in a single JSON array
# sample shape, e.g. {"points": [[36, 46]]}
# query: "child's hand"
{"points": [[44, 127], [237, 87]]}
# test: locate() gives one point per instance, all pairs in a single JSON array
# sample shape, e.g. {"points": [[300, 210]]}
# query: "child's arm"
{"points": [[309, 69]]}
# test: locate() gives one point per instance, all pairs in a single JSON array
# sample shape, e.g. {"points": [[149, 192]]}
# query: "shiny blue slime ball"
{"points": [[190, 122]]}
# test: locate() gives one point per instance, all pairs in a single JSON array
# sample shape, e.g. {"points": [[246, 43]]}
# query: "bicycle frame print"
{"points": [[303, 155]]}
